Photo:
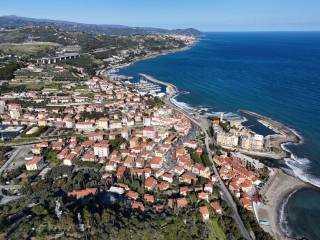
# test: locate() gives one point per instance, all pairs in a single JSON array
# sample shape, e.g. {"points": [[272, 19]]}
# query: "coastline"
{"points": [[154, 55], [280, 186], [276, 193]]}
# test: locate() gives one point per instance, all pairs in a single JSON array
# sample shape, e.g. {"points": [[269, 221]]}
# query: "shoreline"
{"points": [[154, 55], [277, 193], [282, 186]]}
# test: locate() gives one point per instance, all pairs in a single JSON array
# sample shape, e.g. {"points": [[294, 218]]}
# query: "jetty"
{"points": [[170, 88]]}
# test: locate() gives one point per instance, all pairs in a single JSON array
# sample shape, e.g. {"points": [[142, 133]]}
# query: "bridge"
{"points": [[65, 56]]}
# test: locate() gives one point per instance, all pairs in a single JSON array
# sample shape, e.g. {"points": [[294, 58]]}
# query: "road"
{"points": [[4, 198], [12, 157], [202, 124]]}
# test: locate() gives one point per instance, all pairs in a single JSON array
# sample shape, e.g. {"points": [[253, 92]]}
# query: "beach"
{"points": [[276, 193]]}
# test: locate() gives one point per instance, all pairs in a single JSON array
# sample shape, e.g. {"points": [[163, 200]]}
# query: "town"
{"points": [[126, 140]]}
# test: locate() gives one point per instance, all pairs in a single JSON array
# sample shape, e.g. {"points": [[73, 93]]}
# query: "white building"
{"points": [[35, 163], [101, 149]]}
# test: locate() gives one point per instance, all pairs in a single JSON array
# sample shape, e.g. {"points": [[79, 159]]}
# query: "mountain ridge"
{"points": [[13, 21]]}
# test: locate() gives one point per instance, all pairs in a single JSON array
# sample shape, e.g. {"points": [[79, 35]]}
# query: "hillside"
{"points": [[9, 22]]}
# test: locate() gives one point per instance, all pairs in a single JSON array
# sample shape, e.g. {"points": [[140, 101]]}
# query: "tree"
{"points": [[39, 210]]}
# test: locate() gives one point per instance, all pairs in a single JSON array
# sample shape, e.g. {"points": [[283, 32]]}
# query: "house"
{"points": [[203, 196], [88, 157], [132, 195], [177, 170], [82, 193], [148, 198], [96, 136], [147, 172], [58, 145], [84, 126], [217, 207], [190, 144], [110, 166], [101, 149], [117, 190], [69, 159], [128, 162], [137, 205], [162, 186], [184, 191], [140, 163], [167, 177], [35, 163], [159, 173], [156, 162], [187, 178], [36, 150], [120, 171], [246, 203], [246, 186], [150, 183], [182, 202], [103, 123], [205, 213], [149, 132], [61, 155], [208, 187]]}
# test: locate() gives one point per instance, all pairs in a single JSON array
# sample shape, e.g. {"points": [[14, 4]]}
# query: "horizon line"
{"points": [[167, 28]]}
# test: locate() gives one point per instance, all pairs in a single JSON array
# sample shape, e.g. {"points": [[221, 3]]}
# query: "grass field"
{"points": [[215, 231]]}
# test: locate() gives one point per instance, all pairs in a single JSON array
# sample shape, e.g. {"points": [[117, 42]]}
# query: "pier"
{"points": [[171, 89]]}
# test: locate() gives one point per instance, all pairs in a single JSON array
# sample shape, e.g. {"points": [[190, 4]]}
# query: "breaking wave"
{"points": [[282, 218], [182, 105], [300, 167]]}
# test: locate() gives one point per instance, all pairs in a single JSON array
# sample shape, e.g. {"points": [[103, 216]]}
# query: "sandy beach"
{"points": [[276, 191]]}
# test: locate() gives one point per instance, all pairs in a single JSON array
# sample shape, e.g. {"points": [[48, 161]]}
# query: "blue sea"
{"points": [[276, 74]]}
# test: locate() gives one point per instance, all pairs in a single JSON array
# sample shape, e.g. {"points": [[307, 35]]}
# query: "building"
{"points": [[36, 163], [69, 159], [103, 123], [10, 132], [149, 132], [101, 149], [150, 183], [227, 139], [205, 213], [83, 193]]}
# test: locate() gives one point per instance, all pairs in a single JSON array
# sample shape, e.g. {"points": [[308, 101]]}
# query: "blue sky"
{"points": [[206, 15]]}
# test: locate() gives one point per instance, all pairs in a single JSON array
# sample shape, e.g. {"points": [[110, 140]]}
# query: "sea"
{"points": [[276, 74]]}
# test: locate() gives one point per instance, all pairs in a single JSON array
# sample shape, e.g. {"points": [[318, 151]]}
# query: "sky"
{"points": [[205, 15]]}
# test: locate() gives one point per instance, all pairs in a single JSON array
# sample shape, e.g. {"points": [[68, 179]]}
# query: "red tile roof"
{"points": [[82, 193]]}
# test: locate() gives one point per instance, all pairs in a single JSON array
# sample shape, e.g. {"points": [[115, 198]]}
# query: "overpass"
{"points": [[65, 56]]}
